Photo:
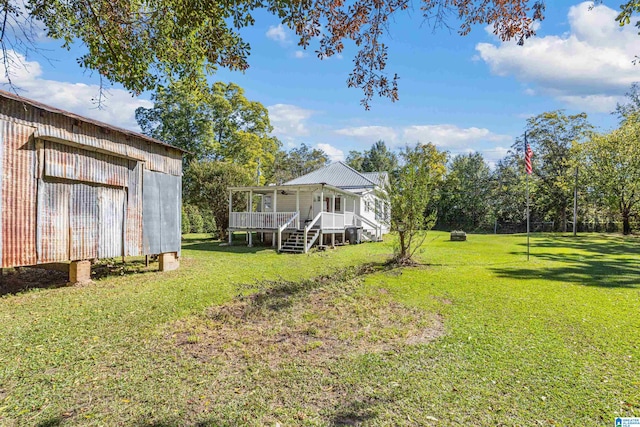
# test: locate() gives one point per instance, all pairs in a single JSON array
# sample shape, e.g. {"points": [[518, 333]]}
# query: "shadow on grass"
{"points": [[606, 244], [354, 414], [587, 262], [23, 279], [15, 281], [51, 422], [238, 247], [278, 295]]}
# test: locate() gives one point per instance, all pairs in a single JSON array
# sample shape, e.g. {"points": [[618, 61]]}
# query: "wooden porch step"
{"points": [[295, 243]]}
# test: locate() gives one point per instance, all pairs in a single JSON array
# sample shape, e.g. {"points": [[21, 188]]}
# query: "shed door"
{"points": [[111, 222], [53, 222], [83, 221]]}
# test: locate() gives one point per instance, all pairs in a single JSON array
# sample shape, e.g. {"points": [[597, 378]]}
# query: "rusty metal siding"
{"points": [[64, 169], [2, 137], [111, 223], [133, 221], [70, 131], [53, 221], [18, 195], [63, 161], [84, 222]]}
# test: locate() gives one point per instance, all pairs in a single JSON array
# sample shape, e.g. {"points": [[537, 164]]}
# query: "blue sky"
{"points": [[470, 93]]}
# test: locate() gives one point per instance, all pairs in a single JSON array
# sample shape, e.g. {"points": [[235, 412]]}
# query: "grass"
{"points": [[476, 335]]}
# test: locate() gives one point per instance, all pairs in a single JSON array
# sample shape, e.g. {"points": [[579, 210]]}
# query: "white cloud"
{"points": [[118, 106], [300, 54], [450, 136], [370, 134], [588, 66], [335, 154], [596, 103], [278, 33], [289, 120], [443, 135]]}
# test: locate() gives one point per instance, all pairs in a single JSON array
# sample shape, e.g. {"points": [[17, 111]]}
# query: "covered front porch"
{"points": [[297, 216]]}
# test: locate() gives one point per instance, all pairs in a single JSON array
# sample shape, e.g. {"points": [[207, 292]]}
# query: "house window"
{"points": [[337, 206], [367, 206], [267, 202], [316, 198]]}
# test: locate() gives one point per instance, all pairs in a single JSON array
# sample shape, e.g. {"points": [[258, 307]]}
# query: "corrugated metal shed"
{"points": [[337, 174], [72, 188]]}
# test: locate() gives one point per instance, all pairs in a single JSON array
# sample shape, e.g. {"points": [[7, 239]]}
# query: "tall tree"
{"points": [[613, 168], [297, 162], [219, 123], [631, 108], [143, 44], [377, 159], [508, 196], [410, 190], [466, 195], [355, 159], [205, 186], [551, 136]]}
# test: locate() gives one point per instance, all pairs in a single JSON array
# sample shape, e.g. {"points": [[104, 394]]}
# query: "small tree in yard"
{"points": [[412, 186], [205, 186]]}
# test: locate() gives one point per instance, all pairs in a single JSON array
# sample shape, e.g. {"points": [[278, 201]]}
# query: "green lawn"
{"points": [[476, 335]]}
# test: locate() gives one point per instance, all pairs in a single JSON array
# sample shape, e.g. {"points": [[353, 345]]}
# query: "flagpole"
{"points": [[527, 217], [527, 172]]}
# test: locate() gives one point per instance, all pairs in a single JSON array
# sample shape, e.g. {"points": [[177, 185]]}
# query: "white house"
{"points": [[322, 207]]}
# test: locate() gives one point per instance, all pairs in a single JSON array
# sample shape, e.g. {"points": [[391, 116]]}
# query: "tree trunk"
{"points": [[626, 225], [403, 249]]}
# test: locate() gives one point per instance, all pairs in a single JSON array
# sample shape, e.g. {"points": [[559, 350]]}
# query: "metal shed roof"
{"points": [[36, 104], [337, 174]]}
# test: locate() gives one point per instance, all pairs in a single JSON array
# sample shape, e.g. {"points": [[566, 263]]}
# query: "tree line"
{"points": [[229, 143], [569, 156]]}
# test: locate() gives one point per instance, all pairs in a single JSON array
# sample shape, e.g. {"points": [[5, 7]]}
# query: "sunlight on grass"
{"points": [[552, 341]]}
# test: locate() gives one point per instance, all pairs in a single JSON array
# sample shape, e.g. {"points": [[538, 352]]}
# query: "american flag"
{"points": [[528, 154]]}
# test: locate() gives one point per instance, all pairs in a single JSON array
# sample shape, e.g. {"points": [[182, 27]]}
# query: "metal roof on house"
{"points": [[337, 174], [45, 107], [380, 178]]}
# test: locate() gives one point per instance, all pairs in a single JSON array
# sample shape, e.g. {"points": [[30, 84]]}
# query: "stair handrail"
{"points": [[376, 227], [283, 227], [313, 222], [288, 223], [307, 228]]}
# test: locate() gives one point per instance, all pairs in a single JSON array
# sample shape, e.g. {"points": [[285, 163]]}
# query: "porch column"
{"points": [[250, 210], [333, 209], [229, 232], [275, 207], [298, 208], [276, 235], [321, 210]]}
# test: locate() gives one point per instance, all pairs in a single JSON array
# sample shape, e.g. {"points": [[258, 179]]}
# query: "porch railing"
{"points": [[263, 220], [331, 221], [360, 221]]}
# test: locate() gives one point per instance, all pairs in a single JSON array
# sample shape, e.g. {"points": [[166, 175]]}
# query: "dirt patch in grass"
{"points": [[299, 322]]}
